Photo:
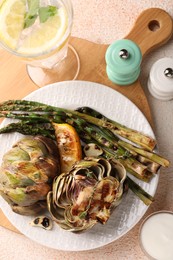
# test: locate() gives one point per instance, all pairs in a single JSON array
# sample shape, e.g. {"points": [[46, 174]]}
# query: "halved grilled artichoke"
{"points": [[87, 194], [27, 173]]}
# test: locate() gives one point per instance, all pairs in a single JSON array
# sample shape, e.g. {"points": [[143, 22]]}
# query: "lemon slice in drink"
{"points": [[36, 39], [12, 14], [46, 35]]}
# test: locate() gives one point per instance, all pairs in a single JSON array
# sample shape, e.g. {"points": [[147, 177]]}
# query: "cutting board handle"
{"points": [[152, 28]]}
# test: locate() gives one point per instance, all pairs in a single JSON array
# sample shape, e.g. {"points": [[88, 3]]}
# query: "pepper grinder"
{"points": [[123, 59], [160, 82]]}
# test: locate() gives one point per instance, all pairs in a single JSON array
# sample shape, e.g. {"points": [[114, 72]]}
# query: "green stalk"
{"points": [[102, 133], [122, 130], [28, 128], [142, 194], [152, 156], [96, 135], [151, 166], [26, 116], [118, 129], [35, 116], [148, 158], [113, 144], [133, 166], [46, 129]]}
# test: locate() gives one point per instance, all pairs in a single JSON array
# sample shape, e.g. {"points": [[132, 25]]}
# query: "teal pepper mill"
{"points": [[123, 60]]}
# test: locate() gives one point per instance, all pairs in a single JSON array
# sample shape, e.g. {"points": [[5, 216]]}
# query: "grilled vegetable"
{"points": [[43, 222], [27, 172], [92, 150], [92, 127], [8, 109], [87, 194], [69, 146]]}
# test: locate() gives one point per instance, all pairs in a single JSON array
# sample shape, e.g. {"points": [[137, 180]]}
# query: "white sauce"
{"points": [[157, 236]]}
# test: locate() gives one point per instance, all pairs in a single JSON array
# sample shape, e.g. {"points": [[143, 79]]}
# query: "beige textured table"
{"points": [[104, 22]]}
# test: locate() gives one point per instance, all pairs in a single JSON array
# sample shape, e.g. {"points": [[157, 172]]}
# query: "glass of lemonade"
{"points": [[38, 32]]}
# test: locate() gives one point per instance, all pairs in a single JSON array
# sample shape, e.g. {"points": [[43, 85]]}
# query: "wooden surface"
{"points": [[15, 83]]}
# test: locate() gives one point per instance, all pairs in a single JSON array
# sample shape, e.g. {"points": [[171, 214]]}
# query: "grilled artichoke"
{"points": [[27, 173], [86, 194]]}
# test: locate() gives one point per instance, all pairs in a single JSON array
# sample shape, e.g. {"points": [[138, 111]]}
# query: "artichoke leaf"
{"points": [[6, 198], [79, 220], [33, 147], [27, 196], [87, 194], [60, 195], [14, 154], [30, 210], [47, 166], [56, 215], [27, 173], [31, 171], [17, 196], [17, 180]]}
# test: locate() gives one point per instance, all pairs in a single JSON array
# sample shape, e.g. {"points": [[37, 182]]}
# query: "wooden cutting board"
{"points": [[152, 28]]}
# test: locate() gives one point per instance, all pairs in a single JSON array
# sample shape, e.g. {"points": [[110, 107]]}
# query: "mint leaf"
{"points": [[31, 15], [46, 12], [33, 6], [30, 20]]}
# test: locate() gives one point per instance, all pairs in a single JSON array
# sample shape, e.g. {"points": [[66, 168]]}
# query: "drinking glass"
{"points": [[38, 32], [156, 235]]}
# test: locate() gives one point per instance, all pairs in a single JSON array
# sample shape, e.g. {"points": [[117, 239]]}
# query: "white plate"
{"points": [[72, 94]]}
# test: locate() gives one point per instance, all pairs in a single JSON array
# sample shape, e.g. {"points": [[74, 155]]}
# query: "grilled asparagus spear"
{"points": [[118, 129]]}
